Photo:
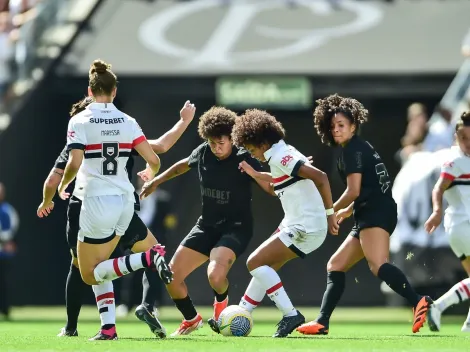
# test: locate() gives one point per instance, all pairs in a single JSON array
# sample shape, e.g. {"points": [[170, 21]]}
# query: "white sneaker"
{"points": [[466, 327], [122, 311], [434, 318]]}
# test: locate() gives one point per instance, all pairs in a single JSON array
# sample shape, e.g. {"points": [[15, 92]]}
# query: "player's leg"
{"points": [[347, 255], [459, 240], [146, 312], [375, 243]]}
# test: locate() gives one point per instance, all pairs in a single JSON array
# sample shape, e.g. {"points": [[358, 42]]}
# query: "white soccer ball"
{"points": [[235, 321]]}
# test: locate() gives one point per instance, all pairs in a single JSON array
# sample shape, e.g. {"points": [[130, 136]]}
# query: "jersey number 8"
{"points": [[384, 178], [110, 153]]}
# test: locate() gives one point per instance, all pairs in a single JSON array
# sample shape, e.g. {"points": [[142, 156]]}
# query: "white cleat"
{"points": [[188, 326], [434, 318], [466, 327]]}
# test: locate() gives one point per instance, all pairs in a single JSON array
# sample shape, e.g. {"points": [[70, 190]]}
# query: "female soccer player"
{"points": [[102, 136], [368, 195], [225, 227], [306, 198], [137, 237], [453, 184]]}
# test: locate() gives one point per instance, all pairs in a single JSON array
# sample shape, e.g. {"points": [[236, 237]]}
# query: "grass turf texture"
{"points": [[357, 329]]}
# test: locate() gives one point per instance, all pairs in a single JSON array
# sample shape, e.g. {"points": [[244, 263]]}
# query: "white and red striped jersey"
{"points": [[457, 169], [107, 136], [300, 199]]}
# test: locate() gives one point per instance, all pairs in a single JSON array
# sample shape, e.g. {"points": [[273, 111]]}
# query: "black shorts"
{"points": [[137, 231], [203, 239], [383, 215]]}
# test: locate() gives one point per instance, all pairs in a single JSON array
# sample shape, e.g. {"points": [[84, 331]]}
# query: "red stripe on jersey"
{"points": [[139, 140], [93, 146], [467, 291], [464, 176], [447, 176], [280, 179], [105, 296], [116, 267], [274, 288], [125, 145]]}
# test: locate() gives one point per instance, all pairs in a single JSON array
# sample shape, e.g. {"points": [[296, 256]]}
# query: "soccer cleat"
{"points": [[313, 328], [188, 326], [289, 324], [101, 336], [145, 315], [434, 318], [70, 333], [466, 327], [155, 258], [218, 308], [420, 313]]}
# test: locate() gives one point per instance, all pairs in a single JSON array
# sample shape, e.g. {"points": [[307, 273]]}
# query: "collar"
{"points": [[269, 153], [101, 106]]}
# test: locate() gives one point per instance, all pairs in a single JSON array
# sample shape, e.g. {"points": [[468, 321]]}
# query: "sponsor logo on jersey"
{"points": [[107, 121], [285, 160]]}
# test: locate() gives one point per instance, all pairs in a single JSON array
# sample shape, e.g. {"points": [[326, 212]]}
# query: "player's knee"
{"points": [[336, 264], [253, 262], [374, 266], [216, 278], [88, 278]]}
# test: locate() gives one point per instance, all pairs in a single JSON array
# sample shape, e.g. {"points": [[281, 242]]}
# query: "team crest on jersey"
{"points": [[285, 160], [71, 134], [449, 164]]}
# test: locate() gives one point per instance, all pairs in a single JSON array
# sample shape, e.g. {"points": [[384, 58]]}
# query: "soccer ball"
{"points": [[235, 321]]}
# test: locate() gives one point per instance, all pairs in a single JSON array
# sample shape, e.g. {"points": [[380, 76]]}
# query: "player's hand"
{"points": [[187, 112], [61, 190], [310, 159], [343, 214], [148, 188], [333, 226], [147, 174], [245, 167], [433, 222], [45, 209]]}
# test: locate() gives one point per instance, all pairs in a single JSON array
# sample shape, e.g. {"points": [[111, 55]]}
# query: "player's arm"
{"points": [[76, 157], [321, 181], [264, 179], [165, 142], [448, 174], [175, 170], [152, 159], [48, 191], [353, 188]]}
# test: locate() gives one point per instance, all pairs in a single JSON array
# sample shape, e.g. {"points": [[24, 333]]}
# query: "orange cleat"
{"points": [[188, 326], [219, 307], [313, 328], [420, 312]]}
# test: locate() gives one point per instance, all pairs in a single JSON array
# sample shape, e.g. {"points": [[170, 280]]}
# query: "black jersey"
{"points": [[225, 190], [358, 156], [63, 158]]}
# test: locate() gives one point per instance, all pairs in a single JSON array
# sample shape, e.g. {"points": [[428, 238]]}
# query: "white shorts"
{"points": [[300, 242], [459, 239], [103, 217]]}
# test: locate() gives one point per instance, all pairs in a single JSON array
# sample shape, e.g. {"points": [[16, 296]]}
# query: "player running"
{"points": [[305, 194], [453, 185], [225, 228], [368, 196], [137, 237], [104, 137]]}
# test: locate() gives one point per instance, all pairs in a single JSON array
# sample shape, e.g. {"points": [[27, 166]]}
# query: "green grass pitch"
{"points": [[352, 329]]}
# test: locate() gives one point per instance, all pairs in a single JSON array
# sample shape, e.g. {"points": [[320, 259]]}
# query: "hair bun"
{"points": [[466, 116], [99, 67]]}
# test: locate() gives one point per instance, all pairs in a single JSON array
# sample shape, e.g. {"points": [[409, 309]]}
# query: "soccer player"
{"points": [[104, 136], [368, 195], [225, 227], [137, 235], [453, 185], [305, 194]]}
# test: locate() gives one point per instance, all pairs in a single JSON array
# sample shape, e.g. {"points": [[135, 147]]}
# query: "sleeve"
{"points": [[288, 162], [196, 155], [62, 159], [353, 159], [76, 137], [450, 170], [137, 133]]}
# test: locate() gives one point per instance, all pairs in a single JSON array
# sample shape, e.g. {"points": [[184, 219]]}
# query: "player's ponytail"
{"points": [[464, 121], [102, 79]]}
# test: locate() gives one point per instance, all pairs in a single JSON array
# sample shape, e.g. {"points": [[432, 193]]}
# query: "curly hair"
{"points": [[257, 127], [216, 122], [464, 121], [331, 105], [81, 105]]}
